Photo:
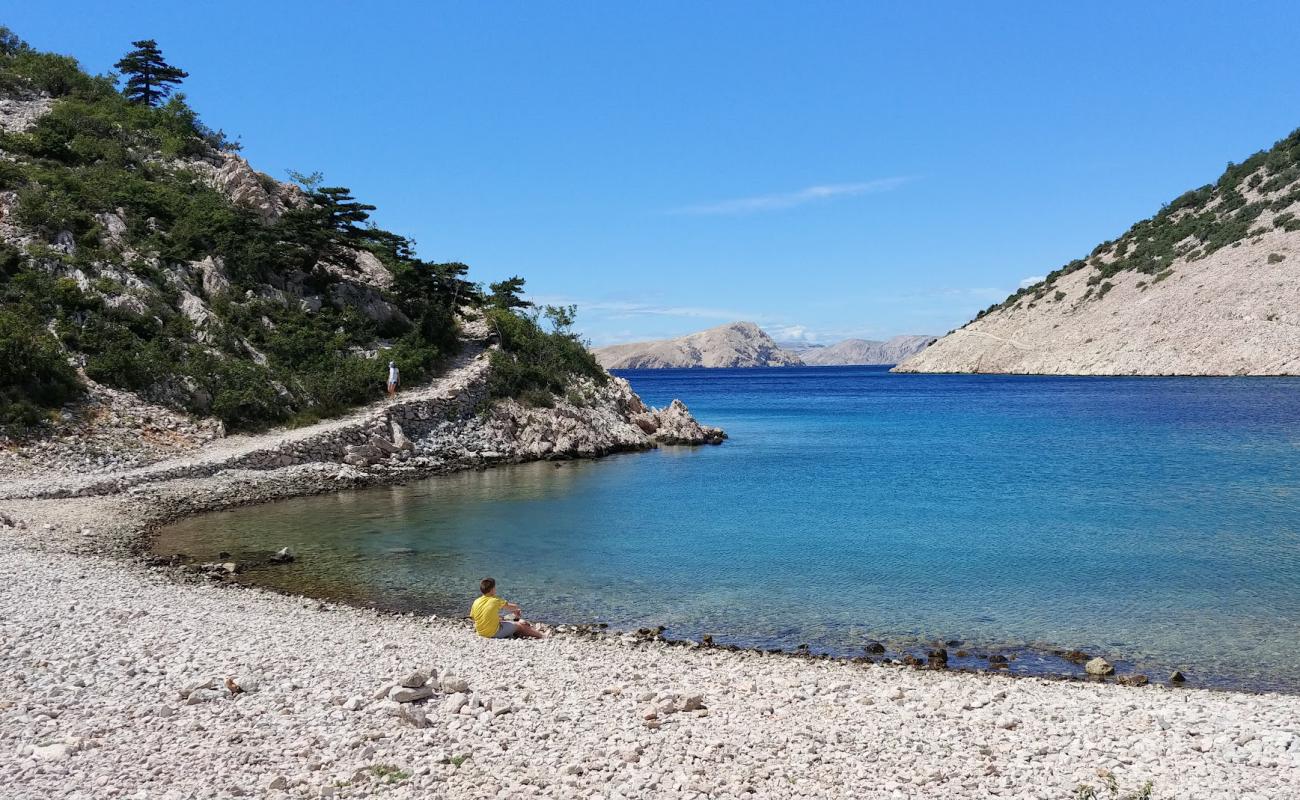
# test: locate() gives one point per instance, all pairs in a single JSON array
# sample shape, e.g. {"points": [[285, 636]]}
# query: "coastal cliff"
{"points": [[736, 344], [1208, 286]]}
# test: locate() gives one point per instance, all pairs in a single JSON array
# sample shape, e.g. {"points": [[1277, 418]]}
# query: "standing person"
{"points": [[392, 378], [486, 613]]}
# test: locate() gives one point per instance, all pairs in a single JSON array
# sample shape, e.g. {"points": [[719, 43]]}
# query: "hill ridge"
{"points": [[1210, 285]]}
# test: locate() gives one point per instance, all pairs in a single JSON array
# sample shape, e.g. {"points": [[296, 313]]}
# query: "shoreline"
{"points": [[784, 725], [1050, 660], [103, 707]]}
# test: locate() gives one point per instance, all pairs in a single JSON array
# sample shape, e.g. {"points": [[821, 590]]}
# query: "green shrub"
{"points": [[534, 365], [35, 376]]}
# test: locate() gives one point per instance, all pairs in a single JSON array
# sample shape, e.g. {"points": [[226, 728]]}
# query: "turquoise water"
{"points": [[1152, 520]]}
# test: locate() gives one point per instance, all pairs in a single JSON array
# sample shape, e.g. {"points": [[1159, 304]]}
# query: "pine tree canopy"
{"points": [[506, 294], [149, 79]]}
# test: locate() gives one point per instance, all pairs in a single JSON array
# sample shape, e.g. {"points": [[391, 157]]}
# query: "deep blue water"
{"points": [[1152, 520]]}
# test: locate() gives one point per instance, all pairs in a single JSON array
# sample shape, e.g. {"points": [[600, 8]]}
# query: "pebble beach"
{"points": [[118, 680]]}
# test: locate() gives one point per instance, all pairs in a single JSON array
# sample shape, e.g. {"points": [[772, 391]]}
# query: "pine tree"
{"points": [[343, 213], [149, 79]]}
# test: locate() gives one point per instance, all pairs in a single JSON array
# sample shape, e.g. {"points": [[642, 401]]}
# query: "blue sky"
{"points": [[825, 169]]}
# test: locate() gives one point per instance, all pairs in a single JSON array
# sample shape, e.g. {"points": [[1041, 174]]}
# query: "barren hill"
{"points": [[851, 352], [737, 344], [1210, 285]]}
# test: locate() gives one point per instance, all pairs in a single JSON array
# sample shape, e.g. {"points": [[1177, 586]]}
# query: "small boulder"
{"points": [[189, 688], [875, 648], [450, 684], [282, 556], [52, 752], [1099, 666], [1177, 677], [414, 715], [402, 694], [454, 703], [245, 682], [202, 696], [1134, 680], [416, 679], [693, 702]]}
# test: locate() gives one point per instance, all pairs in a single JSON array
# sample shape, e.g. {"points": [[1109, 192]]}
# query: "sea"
{"points": [[1151, 521]]}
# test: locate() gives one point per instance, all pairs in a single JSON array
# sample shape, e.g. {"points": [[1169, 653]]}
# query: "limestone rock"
{"points": [[416, 679], [455, 702], [402, 694], [1099, 666], [450, 684]]}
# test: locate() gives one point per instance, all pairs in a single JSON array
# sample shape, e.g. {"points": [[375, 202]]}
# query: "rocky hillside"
{"points": [[1208, 286], [738, 344], [140, 254], [851, 352]]}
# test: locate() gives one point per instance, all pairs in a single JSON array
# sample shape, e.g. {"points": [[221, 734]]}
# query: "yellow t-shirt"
{"points": [[486, 612]]}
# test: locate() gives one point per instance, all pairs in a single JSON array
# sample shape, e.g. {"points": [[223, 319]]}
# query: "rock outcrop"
{"points": [[447, 425], [1209, 286], [865, 352], [737, 344]]}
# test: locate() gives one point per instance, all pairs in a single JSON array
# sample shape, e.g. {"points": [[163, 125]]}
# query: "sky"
{"points": [[825, 169]]}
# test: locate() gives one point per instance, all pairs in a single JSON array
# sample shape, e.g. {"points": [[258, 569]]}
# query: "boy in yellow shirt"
{"points": [[486, 613]]}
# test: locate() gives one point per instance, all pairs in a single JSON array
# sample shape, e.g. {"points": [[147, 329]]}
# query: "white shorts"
{"points": [[506, 631]]}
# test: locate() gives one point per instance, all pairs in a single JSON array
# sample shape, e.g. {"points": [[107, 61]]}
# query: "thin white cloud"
{"points": [[1031, 280], [774, 202], [792, 333]]}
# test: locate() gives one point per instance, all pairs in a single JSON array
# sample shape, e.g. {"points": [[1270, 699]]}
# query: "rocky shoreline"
{"points": [[121, 681], [124, 682]]}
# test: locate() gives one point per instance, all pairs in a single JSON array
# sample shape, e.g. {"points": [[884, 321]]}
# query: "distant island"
{"points": [[1210, 285], [744, 344], [865, 352]]}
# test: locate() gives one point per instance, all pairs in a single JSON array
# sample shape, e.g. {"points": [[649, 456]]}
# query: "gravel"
{"points": [[122, 681], [118, 681]]}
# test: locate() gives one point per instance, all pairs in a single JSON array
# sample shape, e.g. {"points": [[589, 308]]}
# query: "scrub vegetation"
{"points": [[1195, 224], [115, 223]]}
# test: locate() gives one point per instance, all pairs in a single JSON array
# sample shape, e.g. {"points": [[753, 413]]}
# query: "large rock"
{"points": [[232, 176], [403, 694], [213, 276], [17, 114], [367, 302], [1099, 666], [676, 425]]}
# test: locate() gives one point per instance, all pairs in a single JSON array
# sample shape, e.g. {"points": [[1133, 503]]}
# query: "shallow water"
{"points": [[1152, 520]]}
